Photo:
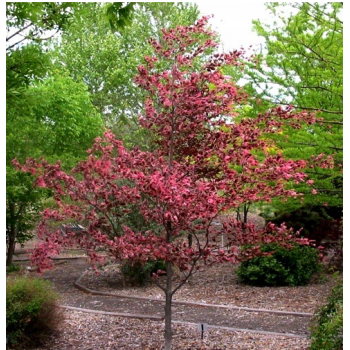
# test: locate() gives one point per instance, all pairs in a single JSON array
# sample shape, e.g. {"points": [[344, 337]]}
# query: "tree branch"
{"points": [[318, 109], [19, 31], [16, 43]]}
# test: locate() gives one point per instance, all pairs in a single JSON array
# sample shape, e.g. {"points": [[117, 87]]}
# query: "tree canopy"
{"points": [[302, 65], [181, 186], [47, 112], [107, 61]]}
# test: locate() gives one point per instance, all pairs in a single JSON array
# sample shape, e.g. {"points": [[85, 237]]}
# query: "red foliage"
{"points": [[208, 161], [252, 239]]}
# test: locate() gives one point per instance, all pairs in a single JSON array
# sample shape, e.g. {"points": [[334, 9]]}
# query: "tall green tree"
{"points": [[35, 21], [29, 27], [47, 113], [65, 119], [57, 120], [302, 65]]}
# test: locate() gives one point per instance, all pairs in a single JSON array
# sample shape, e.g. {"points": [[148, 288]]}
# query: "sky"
{"points": [[233, 21]]}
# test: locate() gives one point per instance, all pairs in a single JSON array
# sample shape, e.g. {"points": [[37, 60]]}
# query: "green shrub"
{"points": [[285, 267], [31, 311], [327, 330], [13, 268], [139, 273]]}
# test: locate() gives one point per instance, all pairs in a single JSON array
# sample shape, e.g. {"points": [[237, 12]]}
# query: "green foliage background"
{"points": [[327, 331], [302, 64]]}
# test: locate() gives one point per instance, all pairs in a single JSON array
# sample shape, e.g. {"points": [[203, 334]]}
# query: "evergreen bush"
{"points": [[139, 273], [284, 267]]}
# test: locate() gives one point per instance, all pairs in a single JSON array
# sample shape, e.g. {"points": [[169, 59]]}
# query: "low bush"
{"points": [[284, 267], [327, 330], [13, 268], [318, 222], [31, 312], [139, 273]]}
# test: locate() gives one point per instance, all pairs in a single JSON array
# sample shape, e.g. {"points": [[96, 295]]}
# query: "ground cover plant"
{"points": [[32, 314], [327, 332], [203, 165]]}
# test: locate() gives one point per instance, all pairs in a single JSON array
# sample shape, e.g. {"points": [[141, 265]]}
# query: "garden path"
{"points": [[67, 272]]}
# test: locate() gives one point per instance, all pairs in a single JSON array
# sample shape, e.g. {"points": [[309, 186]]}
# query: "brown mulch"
{"points": [[218, 285], [91, 332]]}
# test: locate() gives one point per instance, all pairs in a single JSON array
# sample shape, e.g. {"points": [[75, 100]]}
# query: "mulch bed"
{"points": [[218, 285]]}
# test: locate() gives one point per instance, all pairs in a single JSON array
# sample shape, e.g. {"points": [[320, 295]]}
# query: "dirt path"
{"points": [[67, 272]]}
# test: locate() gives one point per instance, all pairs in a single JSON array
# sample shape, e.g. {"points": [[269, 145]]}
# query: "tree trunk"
{"points": [[11, 238], [190, 240], [245, 213], [168, 334], [238, 214], [10, 247]]}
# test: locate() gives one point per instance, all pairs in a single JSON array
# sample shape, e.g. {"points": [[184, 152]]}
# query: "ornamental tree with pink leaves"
{"points": [[182, 187]]}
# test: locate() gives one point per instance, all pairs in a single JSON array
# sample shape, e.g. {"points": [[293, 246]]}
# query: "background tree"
{"points": [[27, 22], [47, 113], [180, 188], [57, 121], [120, 14], [302, 65], [26, 25], [29, 27], [66, 120]]}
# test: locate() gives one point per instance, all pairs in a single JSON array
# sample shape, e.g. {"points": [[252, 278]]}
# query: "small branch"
{"points": [[317, 54], [103, 213], [315, 145], [332, 122], [49, 37], [190, 273], [159, 285], [320, 88], [18, 42], [327, 190], [320, 110], [19, 31]]}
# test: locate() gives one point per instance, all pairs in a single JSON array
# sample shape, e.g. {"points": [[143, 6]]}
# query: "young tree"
{"points": [[107, 62], [183, 185]]}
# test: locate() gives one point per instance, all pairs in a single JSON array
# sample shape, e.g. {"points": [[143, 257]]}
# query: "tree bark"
{"points": [[10, 247], [245, 213], [11, 238], [168, 334], [190, 240]]}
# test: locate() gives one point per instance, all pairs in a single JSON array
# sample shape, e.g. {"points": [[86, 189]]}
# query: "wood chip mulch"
{"points": [[218, 285]]}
